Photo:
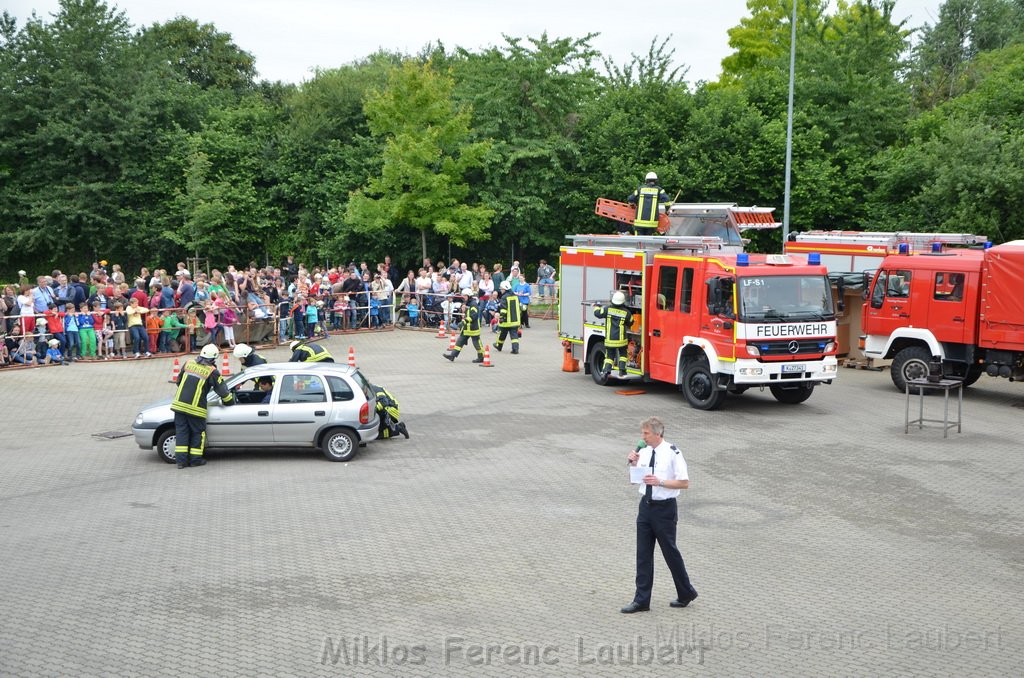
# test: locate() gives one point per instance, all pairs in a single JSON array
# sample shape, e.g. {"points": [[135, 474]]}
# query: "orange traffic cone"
{"points": [[175, 370], [351, 356], [441, 332], [487, 356], [569, 364], [451, 344], [225, 365]]}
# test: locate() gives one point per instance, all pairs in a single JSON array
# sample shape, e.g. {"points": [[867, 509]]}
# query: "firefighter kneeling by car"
{"points": [[388, 411], [303, 352], [195, 380]]}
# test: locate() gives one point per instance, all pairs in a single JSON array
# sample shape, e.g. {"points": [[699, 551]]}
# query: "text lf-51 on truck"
{"points": [[710, 320]]}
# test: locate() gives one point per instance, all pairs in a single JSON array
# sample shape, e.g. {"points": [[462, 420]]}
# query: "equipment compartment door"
{"points": [[669, 317]]}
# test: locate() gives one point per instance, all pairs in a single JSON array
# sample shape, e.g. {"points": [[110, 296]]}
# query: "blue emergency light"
{"points": [[742, 259], [814, 258], [904, 248], [988, 243], [936, 246]]}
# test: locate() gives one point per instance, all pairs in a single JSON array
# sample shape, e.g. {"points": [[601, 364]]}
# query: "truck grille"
{"points": [[772, 349]]}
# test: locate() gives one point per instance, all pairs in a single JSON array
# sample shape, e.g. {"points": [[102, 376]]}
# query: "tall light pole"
{"points": [[789, 129]]}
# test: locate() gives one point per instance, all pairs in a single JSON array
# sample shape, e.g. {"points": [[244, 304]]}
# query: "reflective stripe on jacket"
{"points": [[510, 311], [194, 383], [616, 320]]}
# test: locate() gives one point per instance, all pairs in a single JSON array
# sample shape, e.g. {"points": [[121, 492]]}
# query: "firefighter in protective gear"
{"points": [[388, 412], [509, 317], [309, 353], [470, 329], [647, 198], [195, 380], [617, 318], [248, 357]]}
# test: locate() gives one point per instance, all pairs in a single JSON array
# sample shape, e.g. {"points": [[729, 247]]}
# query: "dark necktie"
{"points": [[650, 488]]}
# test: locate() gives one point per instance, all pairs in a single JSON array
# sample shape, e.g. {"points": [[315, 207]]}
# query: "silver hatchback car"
{"points": [[278, 405]]}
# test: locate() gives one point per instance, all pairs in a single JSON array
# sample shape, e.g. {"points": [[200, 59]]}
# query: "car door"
{"points": [[300, 410], [247, 423]]}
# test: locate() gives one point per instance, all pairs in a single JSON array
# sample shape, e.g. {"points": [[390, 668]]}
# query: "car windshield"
{"points": [[785, 298]]}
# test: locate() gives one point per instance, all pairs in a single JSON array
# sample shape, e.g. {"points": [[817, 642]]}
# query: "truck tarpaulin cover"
{"points": [[1002, 304]]}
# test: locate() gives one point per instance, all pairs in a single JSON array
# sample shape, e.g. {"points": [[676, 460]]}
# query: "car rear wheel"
{"points": [[165, 445], [340, 445]]}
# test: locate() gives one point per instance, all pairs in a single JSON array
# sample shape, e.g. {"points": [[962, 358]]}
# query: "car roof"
{"points": [[270, 369]]}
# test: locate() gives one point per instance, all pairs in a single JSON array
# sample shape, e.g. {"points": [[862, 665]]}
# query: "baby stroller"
{"points": [[388, 411], [431, 312]]}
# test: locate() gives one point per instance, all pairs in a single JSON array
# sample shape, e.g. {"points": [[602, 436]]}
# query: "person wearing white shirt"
{"points": [[658, 515]]}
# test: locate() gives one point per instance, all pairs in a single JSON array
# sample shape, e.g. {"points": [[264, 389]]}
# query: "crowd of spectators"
{"points": [[106, 315]]}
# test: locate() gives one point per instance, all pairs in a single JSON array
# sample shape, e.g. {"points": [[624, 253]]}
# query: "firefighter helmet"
{"points": [[651, 176], [242, 350], [505, 286], [618, 298], [209, 352], [294, 345]]}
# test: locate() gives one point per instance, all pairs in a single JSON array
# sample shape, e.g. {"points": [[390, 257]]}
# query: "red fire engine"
{"points": [[963, 306], [706, 316]]}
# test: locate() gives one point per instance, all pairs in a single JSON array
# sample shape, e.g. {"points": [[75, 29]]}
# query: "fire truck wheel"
{"points": [[699, 386], [792, 395], [910, 363], [596, 363]]}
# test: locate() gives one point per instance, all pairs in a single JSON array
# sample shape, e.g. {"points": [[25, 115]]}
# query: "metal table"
{"points": [[945, 385]]}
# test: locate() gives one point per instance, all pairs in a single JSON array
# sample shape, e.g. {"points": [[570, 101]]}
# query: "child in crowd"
{"points": [[491, 311], [374, 314], [228, 317], [99, 322], [191, 329], [53, 355], [55, 324], [342, 308], [312, 318], [212, 323], [25, 351], [299, 316], [105, 336], [119, 328], [5, 351], [71, 334], [170, 328], [87, 331], [153, 325]]}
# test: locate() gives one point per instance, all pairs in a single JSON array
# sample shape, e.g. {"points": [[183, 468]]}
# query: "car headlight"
{"points": [[830, 347], [751, 371], [753, 350], [138, 419]]}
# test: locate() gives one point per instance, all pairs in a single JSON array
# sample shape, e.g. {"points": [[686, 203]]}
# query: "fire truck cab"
{"points": [[705, 317]]}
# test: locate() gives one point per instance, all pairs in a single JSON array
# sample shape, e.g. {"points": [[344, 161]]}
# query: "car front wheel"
{"points": [[340, 445], [165, 445]]}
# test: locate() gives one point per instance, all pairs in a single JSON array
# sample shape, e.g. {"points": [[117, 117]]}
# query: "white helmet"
{"points": [[619, 298], [209, 352], [242, 350], [506, 285], [294, 345], [651, 176]]}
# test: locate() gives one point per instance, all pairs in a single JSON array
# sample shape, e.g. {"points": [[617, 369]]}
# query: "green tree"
{"points": [[427, 154]]}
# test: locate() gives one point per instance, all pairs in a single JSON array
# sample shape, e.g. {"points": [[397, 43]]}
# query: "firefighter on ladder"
{"points": [[509, 317], [195, 380], [647, 197], [617, 318]]}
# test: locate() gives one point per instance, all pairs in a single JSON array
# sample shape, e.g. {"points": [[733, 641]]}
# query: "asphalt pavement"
{"points": [[500, 538]]}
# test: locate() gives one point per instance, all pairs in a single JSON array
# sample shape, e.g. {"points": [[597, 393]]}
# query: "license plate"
{"points": [[794, 368]]}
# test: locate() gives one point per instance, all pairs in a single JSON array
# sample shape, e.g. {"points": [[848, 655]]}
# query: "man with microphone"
{"points": [[658, 515]]}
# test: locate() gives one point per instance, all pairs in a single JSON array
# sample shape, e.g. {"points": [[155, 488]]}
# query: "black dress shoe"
{"points": [[682, 603], [635, 607]]}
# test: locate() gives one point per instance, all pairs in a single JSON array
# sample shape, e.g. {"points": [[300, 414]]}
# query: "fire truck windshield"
{"points": [[785, 298]]}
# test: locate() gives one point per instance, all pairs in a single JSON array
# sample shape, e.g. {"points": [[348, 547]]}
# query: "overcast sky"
{"points": [[290, 39]]}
